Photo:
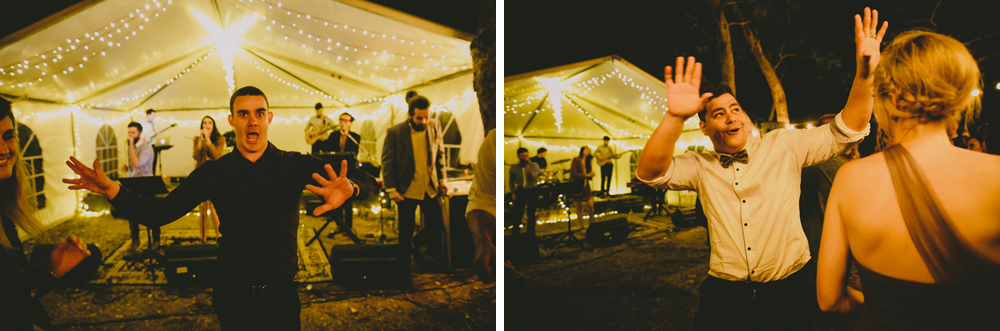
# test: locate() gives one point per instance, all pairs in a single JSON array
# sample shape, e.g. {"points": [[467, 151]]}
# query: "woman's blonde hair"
{"points": [[15, 190], [934, 78]]}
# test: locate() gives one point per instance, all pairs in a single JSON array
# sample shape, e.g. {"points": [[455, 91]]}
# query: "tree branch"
{"points": [[782, 59], [739, 23], [737, 2], [979, 38], [934, 13]]}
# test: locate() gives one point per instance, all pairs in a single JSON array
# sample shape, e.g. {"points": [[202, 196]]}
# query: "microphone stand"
{"points": [[156, 151]]}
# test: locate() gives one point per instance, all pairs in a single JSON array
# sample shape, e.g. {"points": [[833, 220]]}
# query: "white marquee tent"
{"points": [[80, 76], [566, 107]]}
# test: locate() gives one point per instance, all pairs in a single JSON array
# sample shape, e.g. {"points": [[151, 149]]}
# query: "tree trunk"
{"points": [[780, 105], [484, 73], [728, 66]]}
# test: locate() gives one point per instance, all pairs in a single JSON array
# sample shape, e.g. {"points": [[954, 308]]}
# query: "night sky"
{"points": [[816, 79]]}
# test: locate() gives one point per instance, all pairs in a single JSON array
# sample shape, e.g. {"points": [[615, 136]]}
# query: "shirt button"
{"points": [[744, 224], [744, 201], [737, 183], [748, 248], [737, 169], [751, 271]]}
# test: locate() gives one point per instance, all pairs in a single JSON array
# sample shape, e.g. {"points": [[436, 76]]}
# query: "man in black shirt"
{"points": [[540, 158], [256, 193]]}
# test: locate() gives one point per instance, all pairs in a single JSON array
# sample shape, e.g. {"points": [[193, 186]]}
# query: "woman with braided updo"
{"points": [[921, 217]]}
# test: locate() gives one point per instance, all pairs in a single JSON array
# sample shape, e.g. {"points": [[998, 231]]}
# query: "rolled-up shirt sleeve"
{"points": [[682, 174], [812, 146]]}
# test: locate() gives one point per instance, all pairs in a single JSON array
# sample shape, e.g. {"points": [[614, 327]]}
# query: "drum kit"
{"points": [[551, 175]]}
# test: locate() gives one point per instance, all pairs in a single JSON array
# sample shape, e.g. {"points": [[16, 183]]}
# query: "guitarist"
{"points": [[148, 128], [604, 154], [318, 130]]}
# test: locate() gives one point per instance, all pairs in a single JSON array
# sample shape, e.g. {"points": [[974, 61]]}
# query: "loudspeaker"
{"points": [[608, 232], [191, 264], [368, 263], [79, 275]]}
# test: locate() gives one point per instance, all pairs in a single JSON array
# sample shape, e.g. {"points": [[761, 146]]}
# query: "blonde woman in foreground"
{"points": [[921, 218]]}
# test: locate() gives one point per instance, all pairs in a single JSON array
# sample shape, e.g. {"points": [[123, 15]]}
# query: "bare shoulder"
{"points": [[862, 172], [985, 168]]}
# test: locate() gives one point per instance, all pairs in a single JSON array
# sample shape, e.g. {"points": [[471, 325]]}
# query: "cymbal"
{"points": [[560, 161]]}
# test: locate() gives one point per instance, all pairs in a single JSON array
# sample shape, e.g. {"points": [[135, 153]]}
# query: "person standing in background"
{"points": [[208, 145]]}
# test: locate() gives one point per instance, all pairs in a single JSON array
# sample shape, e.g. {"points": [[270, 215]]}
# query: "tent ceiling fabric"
{"points": [[606, 96], [297, 51]]}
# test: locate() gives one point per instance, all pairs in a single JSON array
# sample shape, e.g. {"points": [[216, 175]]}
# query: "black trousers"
{"points": [[244, 307], [606, 172], [133, 228], [430, 235], [778, 305], [525, 200]]}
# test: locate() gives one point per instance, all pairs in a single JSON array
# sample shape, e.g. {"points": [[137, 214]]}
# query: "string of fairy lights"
{"points": [[304, 17], [515, 101], [156, 88], [379, 60], [35, 69], [290, 84]]}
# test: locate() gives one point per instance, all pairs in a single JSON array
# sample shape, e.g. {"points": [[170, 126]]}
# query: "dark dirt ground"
{"points": [[435, 301], [648, 282]]}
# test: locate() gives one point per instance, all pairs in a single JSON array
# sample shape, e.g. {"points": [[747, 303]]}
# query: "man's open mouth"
{"points": [[733, 131], [252, 137]]}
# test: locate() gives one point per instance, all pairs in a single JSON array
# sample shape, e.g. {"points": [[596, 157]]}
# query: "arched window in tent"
{"points": [[368, 138], [107, 151], [31, 153], [452, 137]]}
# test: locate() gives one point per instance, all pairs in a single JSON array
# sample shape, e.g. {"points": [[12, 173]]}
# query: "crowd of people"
{"points": [[917, 220], [802, 228], [256, 189]]}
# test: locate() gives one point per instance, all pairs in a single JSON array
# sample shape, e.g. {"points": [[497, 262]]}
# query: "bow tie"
{"points": [[727, 159]]}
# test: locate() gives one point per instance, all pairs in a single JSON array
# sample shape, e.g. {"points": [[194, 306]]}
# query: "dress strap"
{"points": [[943, 252]]}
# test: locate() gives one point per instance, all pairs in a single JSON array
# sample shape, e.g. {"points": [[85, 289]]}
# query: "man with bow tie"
{"points": [[748, 185]]}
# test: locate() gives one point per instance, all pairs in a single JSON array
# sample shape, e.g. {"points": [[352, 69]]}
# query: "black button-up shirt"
{"points": [[258, 207]]}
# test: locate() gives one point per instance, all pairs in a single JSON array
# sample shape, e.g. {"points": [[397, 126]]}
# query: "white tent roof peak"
{"points": [[185, 54], [585, 101]]}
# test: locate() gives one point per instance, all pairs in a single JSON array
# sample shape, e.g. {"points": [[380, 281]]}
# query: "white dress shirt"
{"points": [[753, 208], [483, 193]]}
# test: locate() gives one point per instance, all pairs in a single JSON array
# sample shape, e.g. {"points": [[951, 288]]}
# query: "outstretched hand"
{"points": [[90, 179], [682, 88], [868, 38], [334, 191], [67, 255]]}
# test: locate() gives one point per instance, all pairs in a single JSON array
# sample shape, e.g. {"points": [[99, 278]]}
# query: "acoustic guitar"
{"points": [[602, 161], [313, 136]]}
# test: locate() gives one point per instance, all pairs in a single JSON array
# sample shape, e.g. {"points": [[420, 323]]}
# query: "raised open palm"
{"points": [[868, 41], [90, 179], [334, 191], [683, 99]]}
